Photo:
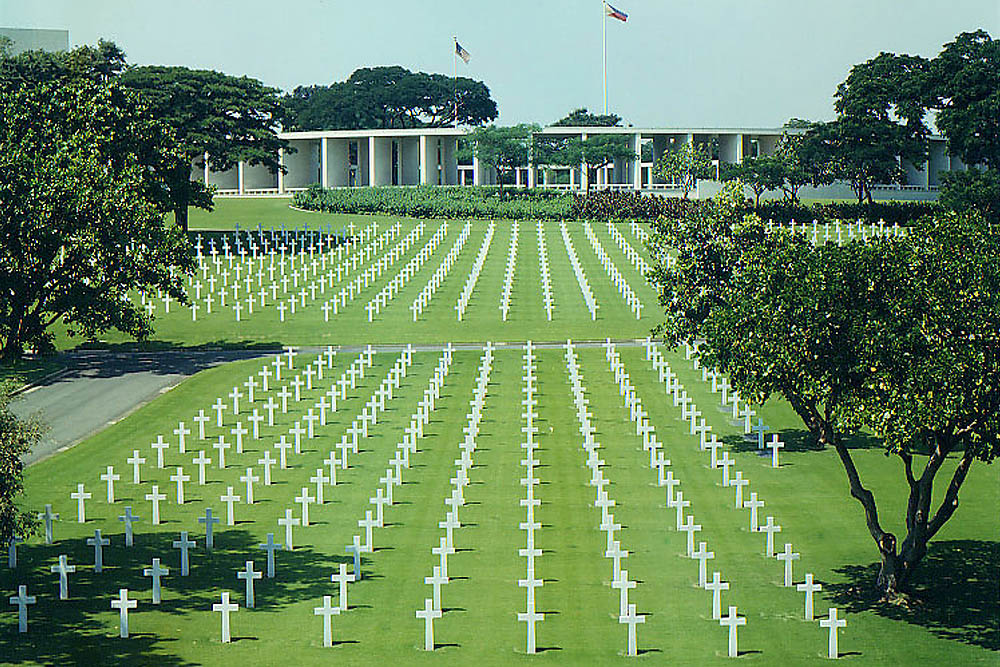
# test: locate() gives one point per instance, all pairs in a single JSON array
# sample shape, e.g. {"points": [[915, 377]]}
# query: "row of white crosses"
{"points": [[399, 281], [530, 616], [639, 262], [855, 230], [384, 493], [639, 232], [354, 287], [736, 479], [385, 262], [477, 268], [374, 270], [543, 270], [427, 293], [742, 411], [619, 576], [510, 268], [439, 573], [675, 500], [291, 268], [581, 278], [624, 289]]}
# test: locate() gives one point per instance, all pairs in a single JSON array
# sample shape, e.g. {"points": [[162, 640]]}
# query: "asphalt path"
{"points": [[98, 389]]}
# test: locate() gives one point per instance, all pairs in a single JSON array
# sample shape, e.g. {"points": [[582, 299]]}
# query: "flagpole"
{"points": [[454, 78], [604, 31]]}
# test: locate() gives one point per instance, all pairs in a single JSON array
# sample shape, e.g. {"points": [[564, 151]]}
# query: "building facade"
{"points": [[430, 156]]}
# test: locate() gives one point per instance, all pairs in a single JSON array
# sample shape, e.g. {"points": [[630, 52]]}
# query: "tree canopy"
{"points": [[16, 439], [583, 118], [503, 148], [685, 166], [390, 97], [896, 335], [81, 221], [226, 118]]}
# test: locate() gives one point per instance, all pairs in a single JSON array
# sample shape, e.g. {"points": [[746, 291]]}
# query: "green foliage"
{"points": [[223, 117], [583, 118], [965, 78], [761, 173], [440, 202], [685, 166], [503, 148], [389, 97], [80, 221], [899, 335], [16, 439], [972, 190], [860, 150], [619, 205]]}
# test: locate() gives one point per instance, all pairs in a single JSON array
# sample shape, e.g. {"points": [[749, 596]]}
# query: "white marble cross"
{"points": [[230, 499], [834, 624], [623, 585], [428, 613], [270, 547], [22, 600], [716, 586], [288, 522], [179, 478], [775, 445], [733, 621], [788, 556], [135, 461], [209, 522], [98, 543], [327, 611], [110, 477], [184, 544], [123, 604], [221, 446], [63, 569], [808, 587], [225, 608], [319, 479], [155, 497], [531, 617], [201, 461], [128, 518], [631, 618], [81, 497], [249, 575], [342, 578], [156, 572], [159, 446], [770, 528], [239, 431], [703, 556], [267, 461], [12, 551], [181, 432]]}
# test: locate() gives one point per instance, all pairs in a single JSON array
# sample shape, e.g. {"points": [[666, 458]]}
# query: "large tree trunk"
{"points": [[181, 216]]}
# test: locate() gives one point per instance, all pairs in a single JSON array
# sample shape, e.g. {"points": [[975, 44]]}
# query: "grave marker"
{"points": [[123, 604]]}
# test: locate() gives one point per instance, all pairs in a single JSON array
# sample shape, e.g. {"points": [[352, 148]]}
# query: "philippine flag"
{"points": [[616, 13], [462, 53]]}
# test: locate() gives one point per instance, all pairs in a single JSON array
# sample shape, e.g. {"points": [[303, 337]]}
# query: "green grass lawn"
{"points": [[438, 322], [807, 496], [955, 621]]}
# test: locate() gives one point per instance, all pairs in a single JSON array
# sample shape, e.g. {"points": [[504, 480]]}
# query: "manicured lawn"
{"points": [[807, 497]]}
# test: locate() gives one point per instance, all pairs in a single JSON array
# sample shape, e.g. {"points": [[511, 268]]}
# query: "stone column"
{"points": [[323, 171], [281, 176], [637, 163], [584, 171], [449, 175], [239, 176], [206, 169]]}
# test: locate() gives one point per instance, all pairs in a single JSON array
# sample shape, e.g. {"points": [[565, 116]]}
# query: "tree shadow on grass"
{"points": [[797, 441], [954, 595], [83, 629]]}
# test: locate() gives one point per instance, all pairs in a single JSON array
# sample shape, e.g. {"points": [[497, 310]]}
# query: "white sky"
{"points": [[711, 63]]}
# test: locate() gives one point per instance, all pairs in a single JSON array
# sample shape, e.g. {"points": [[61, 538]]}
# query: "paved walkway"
{"points": [[98, 389]]}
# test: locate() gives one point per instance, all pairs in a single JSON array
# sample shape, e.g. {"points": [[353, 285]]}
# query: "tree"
{"points": [[861, 151], [583, 118], [17, 437], [761, 173], [80, 220], [685, 166], [869, 334], [795, 166], [965, 82], [972, 190], [224, 118], [388, 97], [503, 148]]}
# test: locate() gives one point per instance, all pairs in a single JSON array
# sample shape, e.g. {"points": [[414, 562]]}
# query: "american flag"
{"points": [[616, 13], [462, 53]]}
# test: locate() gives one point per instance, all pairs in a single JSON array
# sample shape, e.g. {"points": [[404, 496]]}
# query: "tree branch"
{"points": [[950, 502]]}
